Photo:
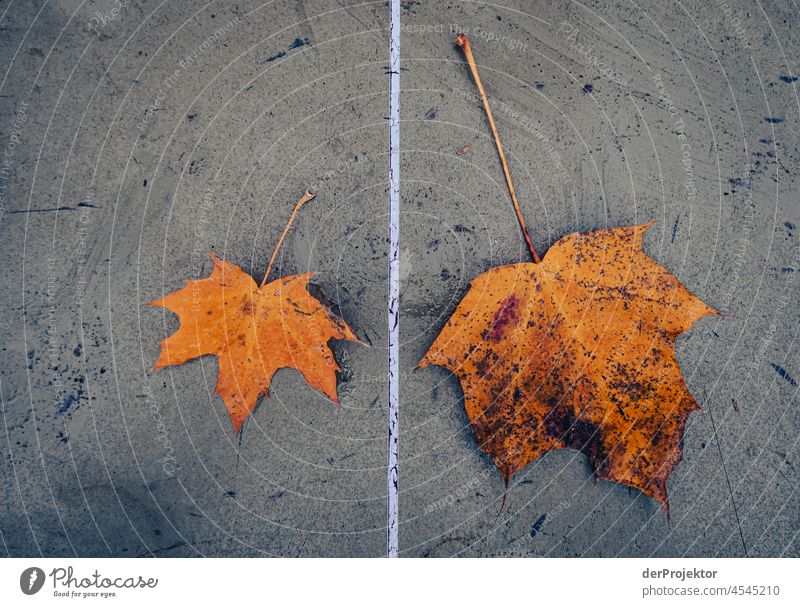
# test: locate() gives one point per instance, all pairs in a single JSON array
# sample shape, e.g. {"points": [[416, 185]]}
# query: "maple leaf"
{"points": [[254, 330], [575, 351]]}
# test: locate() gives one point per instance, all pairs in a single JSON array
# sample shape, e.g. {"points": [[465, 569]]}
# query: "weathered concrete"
{"points": [[591, 143], [153, 162]]}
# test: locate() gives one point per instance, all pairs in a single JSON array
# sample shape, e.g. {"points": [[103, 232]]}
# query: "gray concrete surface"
{"points": [[136, 141]]}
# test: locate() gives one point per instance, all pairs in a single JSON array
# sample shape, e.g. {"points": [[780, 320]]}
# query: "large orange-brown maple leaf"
{"points": [[577, 352], [254, 331]]}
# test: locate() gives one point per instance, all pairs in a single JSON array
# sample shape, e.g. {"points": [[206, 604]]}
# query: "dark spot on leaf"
{"points": [[578, 434], [484, 365], [507, 315]]}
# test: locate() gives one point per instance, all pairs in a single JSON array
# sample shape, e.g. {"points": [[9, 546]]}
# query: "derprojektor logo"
{"points": [[31, 580]]}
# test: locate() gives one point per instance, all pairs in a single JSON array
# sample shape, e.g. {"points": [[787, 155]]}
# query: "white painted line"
{"points": [[394, 277]]}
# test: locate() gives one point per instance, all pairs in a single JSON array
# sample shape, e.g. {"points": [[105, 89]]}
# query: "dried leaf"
{"points": [[576, 352], [254, 331]]}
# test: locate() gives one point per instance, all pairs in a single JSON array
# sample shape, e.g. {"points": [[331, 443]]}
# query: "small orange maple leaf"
{"points": [[574, 351], [254, 331]]}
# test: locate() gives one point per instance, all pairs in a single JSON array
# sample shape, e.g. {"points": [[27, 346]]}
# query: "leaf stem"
{"points": [[462, 41], [306, 197]]}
